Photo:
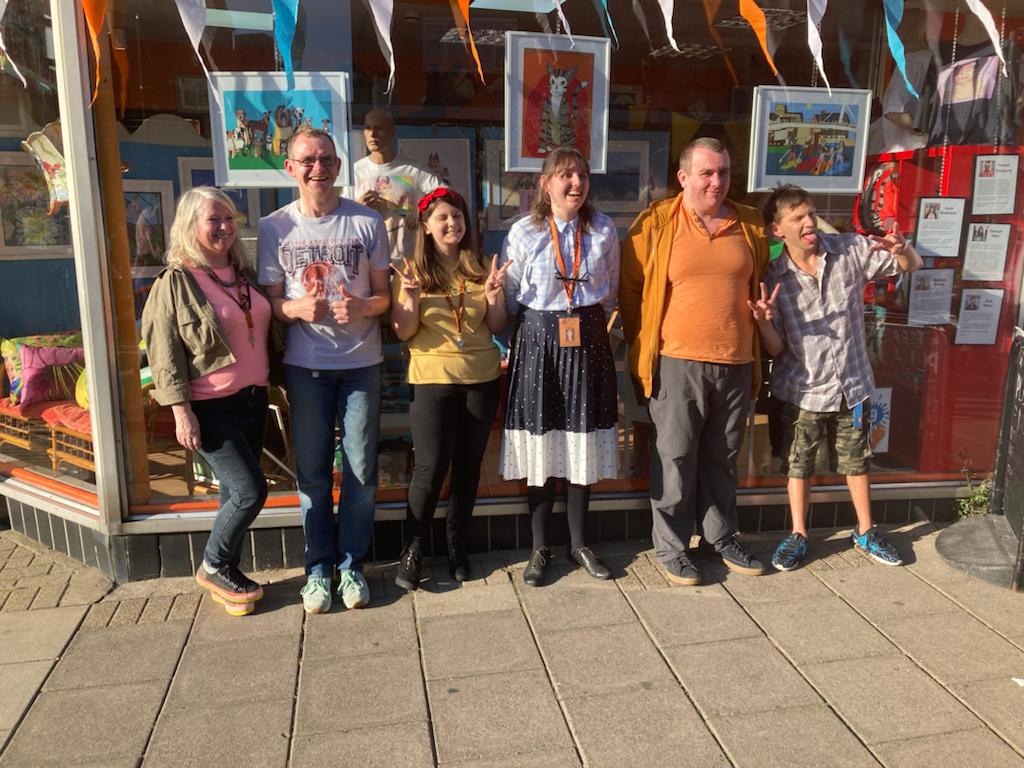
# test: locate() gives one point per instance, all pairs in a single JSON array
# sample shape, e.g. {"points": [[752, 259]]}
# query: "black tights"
{"points": [[541, 500]]}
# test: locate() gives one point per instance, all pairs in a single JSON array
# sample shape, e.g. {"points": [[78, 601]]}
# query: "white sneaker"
{"points": [[353, 589], [316, 595]]}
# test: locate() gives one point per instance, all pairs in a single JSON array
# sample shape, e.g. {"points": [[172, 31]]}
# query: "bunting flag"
{"points": [[667, 7], [95, 14], [641, 17], [815, 12], [606, 21], [893, 17], [286, 16], [460, 10], [120, 56], [989, 24], [846, 56], [193, 18], [710, 10], [564, 20], [4, 55], [383, 12], [752, 12]]}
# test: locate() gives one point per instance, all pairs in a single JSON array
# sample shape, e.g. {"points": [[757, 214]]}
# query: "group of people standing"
{"points": [[694, 311]]}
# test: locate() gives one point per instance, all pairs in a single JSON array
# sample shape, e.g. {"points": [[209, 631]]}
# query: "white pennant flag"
{"points": [[193, 17], [985, 17], [3, 48], [667, 7], [565, 21], [383, 11], [815, 11]]}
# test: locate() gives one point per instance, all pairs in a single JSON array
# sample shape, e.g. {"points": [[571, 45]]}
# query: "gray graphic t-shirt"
{"points": [[319, 255]]}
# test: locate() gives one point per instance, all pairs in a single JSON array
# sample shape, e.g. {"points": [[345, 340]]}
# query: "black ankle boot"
{"points": [[408, 576], [458, 561]]}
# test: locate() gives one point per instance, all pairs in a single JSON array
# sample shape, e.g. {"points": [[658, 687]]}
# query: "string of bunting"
{"points": [[383, 11], [815, 12], [4, 55]]}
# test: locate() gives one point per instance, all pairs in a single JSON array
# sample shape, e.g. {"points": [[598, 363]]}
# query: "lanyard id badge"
{"points": [[569, 331], [568, 326]]}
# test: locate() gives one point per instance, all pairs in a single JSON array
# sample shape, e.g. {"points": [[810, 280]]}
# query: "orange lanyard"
{"points": [[569, 283], [457, 313]]}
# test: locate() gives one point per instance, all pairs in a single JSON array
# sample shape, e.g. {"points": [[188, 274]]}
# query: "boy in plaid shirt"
{"points": [[811, 320]]}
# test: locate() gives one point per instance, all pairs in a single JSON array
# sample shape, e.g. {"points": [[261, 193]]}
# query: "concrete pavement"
{"points": [[842, 663]]}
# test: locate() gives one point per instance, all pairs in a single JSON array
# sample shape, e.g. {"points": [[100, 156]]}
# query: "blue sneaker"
{"points": [[875, 546], [790, 553]]}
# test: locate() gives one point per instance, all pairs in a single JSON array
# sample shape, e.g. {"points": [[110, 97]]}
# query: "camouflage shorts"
{"points": [[849, 450]]}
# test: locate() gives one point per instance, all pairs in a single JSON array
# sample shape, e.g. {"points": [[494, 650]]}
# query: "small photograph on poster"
{"points": [[931, 292], [985, 251], [880, 420], [995, 184], [940, 221], [979, 316]]}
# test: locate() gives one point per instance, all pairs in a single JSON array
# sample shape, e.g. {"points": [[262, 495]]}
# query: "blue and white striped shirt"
{"points": [[533, 280]]}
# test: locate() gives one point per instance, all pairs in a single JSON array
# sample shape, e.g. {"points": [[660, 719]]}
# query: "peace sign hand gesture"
{"points": [[410, 284], [495, 280], [893, 242], [764, 309]]}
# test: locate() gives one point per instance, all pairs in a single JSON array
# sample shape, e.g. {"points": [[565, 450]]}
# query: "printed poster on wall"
{"points": [[985, 251], [995, 184], [880, 419], [940, 221], [979, 316], [931, 291]]}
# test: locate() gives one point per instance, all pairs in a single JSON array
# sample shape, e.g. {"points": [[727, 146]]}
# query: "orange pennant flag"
{"points": [[95, 13], [752, 12], [710, 9], [460, 10]]}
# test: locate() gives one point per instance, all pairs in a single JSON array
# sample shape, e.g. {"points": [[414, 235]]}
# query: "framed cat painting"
{"points": [[556, 95]]}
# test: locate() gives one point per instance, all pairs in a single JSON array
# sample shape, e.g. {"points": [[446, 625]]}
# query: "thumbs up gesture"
{"points": [[348, 308]]}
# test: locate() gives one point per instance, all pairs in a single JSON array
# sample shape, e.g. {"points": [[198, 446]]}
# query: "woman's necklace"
{"points": [[457, 313], [244, 300]]}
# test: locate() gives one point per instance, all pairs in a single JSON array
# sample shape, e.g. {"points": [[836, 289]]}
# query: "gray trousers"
{"points": [[699, 411]]}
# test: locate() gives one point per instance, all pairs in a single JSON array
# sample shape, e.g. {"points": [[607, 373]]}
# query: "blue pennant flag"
{"points": [[286, 14], [893, 17]]}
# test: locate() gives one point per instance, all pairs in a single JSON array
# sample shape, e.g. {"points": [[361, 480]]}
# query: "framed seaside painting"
{"points": [[805, 136], [556, 95], [27, 228], [253, 116], [198, 172]]}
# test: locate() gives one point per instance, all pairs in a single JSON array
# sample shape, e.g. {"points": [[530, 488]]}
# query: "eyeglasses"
{"points": [[328, 161]]}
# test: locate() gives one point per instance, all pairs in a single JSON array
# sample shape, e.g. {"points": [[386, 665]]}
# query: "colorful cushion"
{"points": [[82, 390], [69, 415], [49, 373], [9, 350]]}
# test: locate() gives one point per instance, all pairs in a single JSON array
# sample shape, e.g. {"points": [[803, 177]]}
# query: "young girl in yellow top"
{"points": [[446, 305]]}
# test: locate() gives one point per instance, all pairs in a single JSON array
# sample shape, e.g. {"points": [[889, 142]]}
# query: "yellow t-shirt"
{"points": [[434, 357]]}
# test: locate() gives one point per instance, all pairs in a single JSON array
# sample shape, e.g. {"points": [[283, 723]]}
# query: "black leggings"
{"points": [[541, 500], [450, 427]]}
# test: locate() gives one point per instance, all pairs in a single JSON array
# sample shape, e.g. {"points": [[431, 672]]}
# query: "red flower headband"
{"points": [[438, 194]]}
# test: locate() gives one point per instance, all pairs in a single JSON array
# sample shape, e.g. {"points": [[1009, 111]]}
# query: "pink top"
{"points": [[251, 366]]}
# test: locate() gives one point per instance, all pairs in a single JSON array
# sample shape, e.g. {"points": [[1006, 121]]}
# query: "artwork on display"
{"points": [[556, 95], [27, 228], [149, 209], [940, 222], [805, 136], [931, 291], [985, 251], [995, 184], [47, 148], [198, 172], [978, 321], [880, 420], [253, 116], [448, 159]]}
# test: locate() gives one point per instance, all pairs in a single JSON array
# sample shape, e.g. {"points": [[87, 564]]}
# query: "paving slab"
{"points": [[85, 587], [119, 655], [556, 609], [597, 660], [19, 599], [806, 737], [99, 726], [1000, 704], [468, 644], [642, 728], [238, 670], [203, 735], [565, 758], [472, 720], [932, 641], [685, 615], [156, 609], [733, 676], [19, 682], [964, 749], [496, 597], [128, 612], [37, 635], [404, 745], [386, 625], [99, 616], [998, 607], [820, 630], [184, 607], [777, 587], [346, 694], [278, 613], [644, 570], [888, 698], [881, 592]]}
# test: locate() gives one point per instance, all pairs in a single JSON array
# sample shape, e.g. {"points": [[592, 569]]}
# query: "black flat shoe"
{"points": [[586, 558], [458, 562], [408, 576], [534, 573]]}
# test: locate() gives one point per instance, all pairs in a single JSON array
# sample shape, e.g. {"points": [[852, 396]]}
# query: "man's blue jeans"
{"points": [[317, 401]]}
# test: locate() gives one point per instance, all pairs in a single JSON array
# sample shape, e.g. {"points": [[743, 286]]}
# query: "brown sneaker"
{"points": [[737, 559]]}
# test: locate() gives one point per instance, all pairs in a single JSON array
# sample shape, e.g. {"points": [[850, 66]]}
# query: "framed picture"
{"points": [[198, 172], [149, 209], [806, 137], [556, 94], [994, 190], [27, 228], [940, 222], [253, 116], [448, 159]]}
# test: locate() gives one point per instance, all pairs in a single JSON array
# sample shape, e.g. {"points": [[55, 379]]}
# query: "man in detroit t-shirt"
{"points": [[324, 262]]}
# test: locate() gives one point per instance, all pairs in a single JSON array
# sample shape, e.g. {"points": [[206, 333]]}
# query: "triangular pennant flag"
{"points": [[193, 18], [893, 17], [383, 12], [95, 13], [286, 17], [667, 7], [641, 17], [606, 21], [4, 55], [989, 24], [711, 10], [460, 10], [815, 10], [846, 56], [752, 12]]}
